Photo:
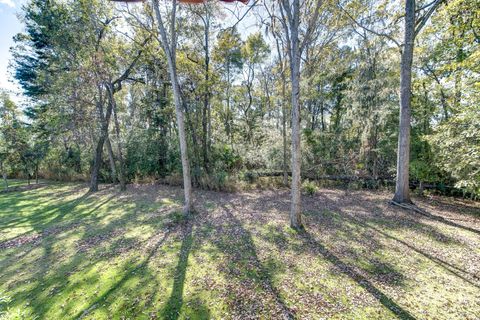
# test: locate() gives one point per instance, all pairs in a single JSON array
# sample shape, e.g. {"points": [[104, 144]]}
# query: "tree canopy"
{"points": [[323, 75]]}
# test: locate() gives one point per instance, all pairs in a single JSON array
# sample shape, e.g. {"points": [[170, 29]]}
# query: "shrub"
{"points": [[250, 176], [309, 188]]}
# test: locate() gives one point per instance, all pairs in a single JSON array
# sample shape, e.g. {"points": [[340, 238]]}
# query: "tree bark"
{"points": [[206, 98], [96, 164], [170, 52], [196, 145], [295, 58], [104, 120], [284, 128], [112, 160], [402, 191], [228, 124], [121, 168], [284, 108]]}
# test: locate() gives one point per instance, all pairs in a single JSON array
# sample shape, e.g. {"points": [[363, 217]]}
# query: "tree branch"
{"points": [[423, 20], [380, 34]]}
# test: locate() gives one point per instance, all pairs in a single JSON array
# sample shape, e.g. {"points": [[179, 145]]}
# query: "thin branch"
{"points": [[380, 34], [311, 25], [423, 20], [425, 6], [126, 73], [243, 16]]}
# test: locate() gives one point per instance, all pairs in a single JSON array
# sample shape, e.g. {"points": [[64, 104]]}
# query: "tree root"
{"points": [[409, 207]]}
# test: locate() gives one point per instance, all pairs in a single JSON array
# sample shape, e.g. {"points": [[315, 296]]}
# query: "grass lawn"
{"points": [[12, 183], [68, 254]]}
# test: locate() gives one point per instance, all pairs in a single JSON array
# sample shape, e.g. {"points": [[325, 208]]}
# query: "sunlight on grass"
{"points": [[12, 183], [68, 254]]}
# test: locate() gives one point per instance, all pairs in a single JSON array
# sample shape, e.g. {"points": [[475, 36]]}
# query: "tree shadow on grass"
{"points": [[247, 275], [50, 268], [40, 219], [455, 205], [332, 201], [379, 223], [457, 271], [175, 302], [127, 275], [344, 268], [443, 220], [45, 229], [44, 276], [362, 221]]}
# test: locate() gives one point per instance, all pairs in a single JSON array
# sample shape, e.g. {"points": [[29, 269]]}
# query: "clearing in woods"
{"points": [[68, 254]]}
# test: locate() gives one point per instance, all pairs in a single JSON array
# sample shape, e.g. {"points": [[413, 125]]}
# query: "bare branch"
{"points": [[239, 19], [311, 25], [377, 33], [423, 20], [126, 73]]}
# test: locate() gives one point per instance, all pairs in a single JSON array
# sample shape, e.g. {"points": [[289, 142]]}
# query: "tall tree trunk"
{"points": [[187, 181], [295, 58], [112, 160], [5, 180], [443, 100], [322, 115], [170, 52], [196, 152], [206, 98], [121, 168], [209, 129], [96, 164], [402, 191], [228, 125], [284, 129], [284, 110], [458, 77], [205, 144], [104, 121]]}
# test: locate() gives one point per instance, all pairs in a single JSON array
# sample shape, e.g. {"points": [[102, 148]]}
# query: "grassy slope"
{"points": [[66, 254]]}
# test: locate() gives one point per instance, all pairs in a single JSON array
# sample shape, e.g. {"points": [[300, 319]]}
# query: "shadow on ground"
{"points": [[66, 253]]}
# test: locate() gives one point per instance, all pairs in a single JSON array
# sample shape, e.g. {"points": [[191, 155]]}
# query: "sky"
{"points": [[9, 26]]}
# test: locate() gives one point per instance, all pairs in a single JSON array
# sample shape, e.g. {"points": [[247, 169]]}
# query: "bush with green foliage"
{"points": [[309, 188]]}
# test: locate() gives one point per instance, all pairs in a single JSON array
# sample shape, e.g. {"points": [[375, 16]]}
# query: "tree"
{"points": [[293, 22], [228, 55], [413, 25], [108, 104], [457, 148], [415, 18], [8, 141], [206, 14], [254, 51], [15, 149], [450, 61], [274, 27], [169, 45]]}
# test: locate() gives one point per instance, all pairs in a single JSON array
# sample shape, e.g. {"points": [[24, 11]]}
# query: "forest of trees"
{"points": [[375, 91]]}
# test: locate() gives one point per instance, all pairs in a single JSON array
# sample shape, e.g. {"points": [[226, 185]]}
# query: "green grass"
{"points": [[68, 254], [13, 183]]}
